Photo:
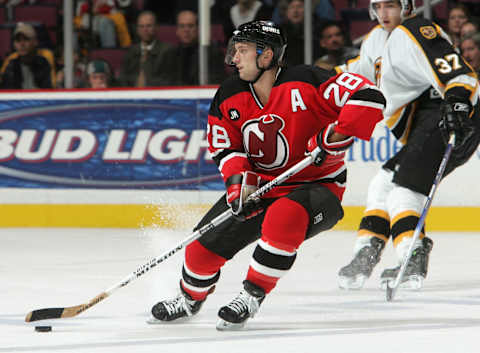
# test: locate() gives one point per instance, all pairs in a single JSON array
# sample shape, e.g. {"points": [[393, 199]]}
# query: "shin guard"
{"points": [[201, 270], [283, 231]]}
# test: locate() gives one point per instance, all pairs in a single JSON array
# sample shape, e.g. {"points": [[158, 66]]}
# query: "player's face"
{"points": [[389, 14], [245, 59], [471, 53]]}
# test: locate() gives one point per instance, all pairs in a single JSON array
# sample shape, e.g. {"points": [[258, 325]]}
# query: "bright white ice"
{"points": [[306, 312]]}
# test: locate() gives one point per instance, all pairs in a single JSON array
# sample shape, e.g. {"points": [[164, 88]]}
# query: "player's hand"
{"points": [[239, 188], [331, 152], [456, 119]]}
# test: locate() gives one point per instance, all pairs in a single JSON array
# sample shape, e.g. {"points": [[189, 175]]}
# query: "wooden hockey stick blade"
{"points": [[57, 313]]}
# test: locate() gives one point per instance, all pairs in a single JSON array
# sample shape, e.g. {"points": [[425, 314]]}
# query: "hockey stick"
{"points": [[57, 313], [391, 290]]}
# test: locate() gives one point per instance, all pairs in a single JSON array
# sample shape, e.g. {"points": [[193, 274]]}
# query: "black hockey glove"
{"points": [[330, 152], [455, 119], [239, 187]]}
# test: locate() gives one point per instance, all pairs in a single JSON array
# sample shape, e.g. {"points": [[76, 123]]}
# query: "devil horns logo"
{"points": [[265, 143]]}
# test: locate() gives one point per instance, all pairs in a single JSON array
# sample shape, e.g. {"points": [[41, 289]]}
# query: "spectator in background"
{"points": [[130, 11], [279, 15], [99, 74], [108, 23], [219, 9], [293, 29], [333, 41], [457, 16], [468, 28], [470, 46], [324, 10], [28, 67], [245, 11], [79, 68], [103, 28], [180, 63], [141, 66]]}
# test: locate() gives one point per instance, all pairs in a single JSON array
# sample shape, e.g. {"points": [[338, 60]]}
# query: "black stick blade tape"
{"points": [[43, 328]]}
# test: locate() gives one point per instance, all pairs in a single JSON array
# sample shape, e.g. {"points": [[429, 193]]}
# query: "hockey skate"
{"points": [[180, 307], [354, 275], [234, 315], [416, 270]]}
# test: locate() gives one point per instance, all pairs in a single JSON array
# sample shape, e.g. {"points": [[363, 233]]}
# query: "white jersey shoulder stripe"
{"points": [[366, 104]]}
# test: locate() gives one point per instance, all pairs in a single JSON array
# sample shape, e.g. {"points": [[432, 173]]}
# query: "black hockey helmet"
{"points": [[263, 34]]}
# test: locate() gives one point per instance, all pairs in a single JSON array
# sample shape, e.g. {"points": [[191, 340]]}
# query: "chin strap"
{"points": [[259, 68]]}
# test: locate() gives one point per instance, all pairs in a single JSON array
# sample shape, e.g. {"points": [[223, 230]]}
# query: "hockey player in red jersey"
{"points": [[261, 122], [431, 92]]}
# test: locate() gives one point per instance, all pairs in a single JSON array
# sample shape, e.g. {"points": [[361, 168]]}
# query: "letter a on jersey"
{"points": [[297, 100]]}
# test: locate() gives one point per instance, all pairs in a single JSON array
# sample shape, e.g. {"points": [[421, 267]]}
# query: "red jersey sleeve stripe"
{"points": [[234, 163]]}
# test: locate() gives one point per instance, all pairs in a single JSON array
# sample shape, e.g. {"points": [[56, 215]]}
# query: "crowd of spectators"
{"points": [[133, 32]]}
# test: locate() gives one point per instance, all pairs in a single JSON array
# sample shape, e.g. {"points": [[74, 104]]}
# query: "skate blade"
{"points": [[223, 325], [413, 282], [352, 283], [152, 320]]}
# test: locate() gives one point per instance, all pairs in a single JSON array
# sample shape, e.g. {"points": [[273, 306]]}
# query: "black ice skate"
{"points": [[354, 275], [234, 315], [416, 270], [182, 306]]}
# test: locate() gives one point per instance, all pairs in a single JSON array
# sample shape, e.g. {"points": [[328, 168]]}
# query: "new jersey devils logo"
{"points": [[265, 143]]}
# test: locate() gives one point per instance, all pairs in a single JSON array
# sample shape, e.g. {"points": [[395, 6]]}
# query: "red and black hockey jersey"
{"points": [[245, 135]]}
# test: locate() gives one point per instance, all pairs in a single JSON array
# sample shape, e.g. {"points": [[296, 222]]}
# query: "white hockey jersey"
{"points": [[417, 56]]}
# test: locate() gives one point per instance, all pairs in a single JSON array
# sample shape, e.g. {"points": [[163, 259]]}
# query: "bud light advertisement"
{"points": [[108, 143]]}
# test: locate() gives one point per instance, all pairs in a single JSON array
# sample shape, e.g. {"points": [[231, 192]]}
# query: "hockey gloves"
{"points": [[239, 187], [456, 119], [331, 152]]}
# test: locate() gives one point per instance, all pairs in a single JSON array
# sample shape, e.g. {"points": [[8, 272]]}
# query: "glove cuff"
{"points": [[333, 147]]}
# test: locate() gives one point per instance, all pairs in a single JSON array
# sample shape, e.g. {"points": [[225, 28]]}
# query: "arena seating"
{"points": [[113, 56]]}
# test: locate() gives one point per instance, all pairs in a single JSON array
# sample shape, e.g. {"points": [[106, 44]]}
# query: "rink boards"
{"points": [[137, 158]]}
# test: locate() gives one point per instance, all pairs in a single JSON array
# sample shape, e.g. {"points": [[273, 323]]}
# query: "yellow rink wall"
{"points": [[464, 219]]}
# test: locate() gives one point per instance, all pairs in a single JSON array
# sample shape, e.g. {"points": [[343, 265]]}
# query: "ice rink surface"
{"points": [[305, 313]]}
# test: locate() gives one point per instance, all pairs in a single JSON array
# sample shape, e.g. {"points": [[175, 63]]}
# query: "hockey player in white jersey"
{"points": [[431, 92]]}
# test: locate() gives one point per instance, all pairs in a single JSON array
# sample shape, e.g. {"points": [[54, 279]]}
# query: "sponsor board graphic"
{"points": [[106, 144], [128, 143]]}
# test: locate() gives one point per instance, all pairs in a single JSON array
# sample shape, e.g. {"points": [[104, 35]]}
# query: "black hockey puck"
{"points": [[43, 328]]}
